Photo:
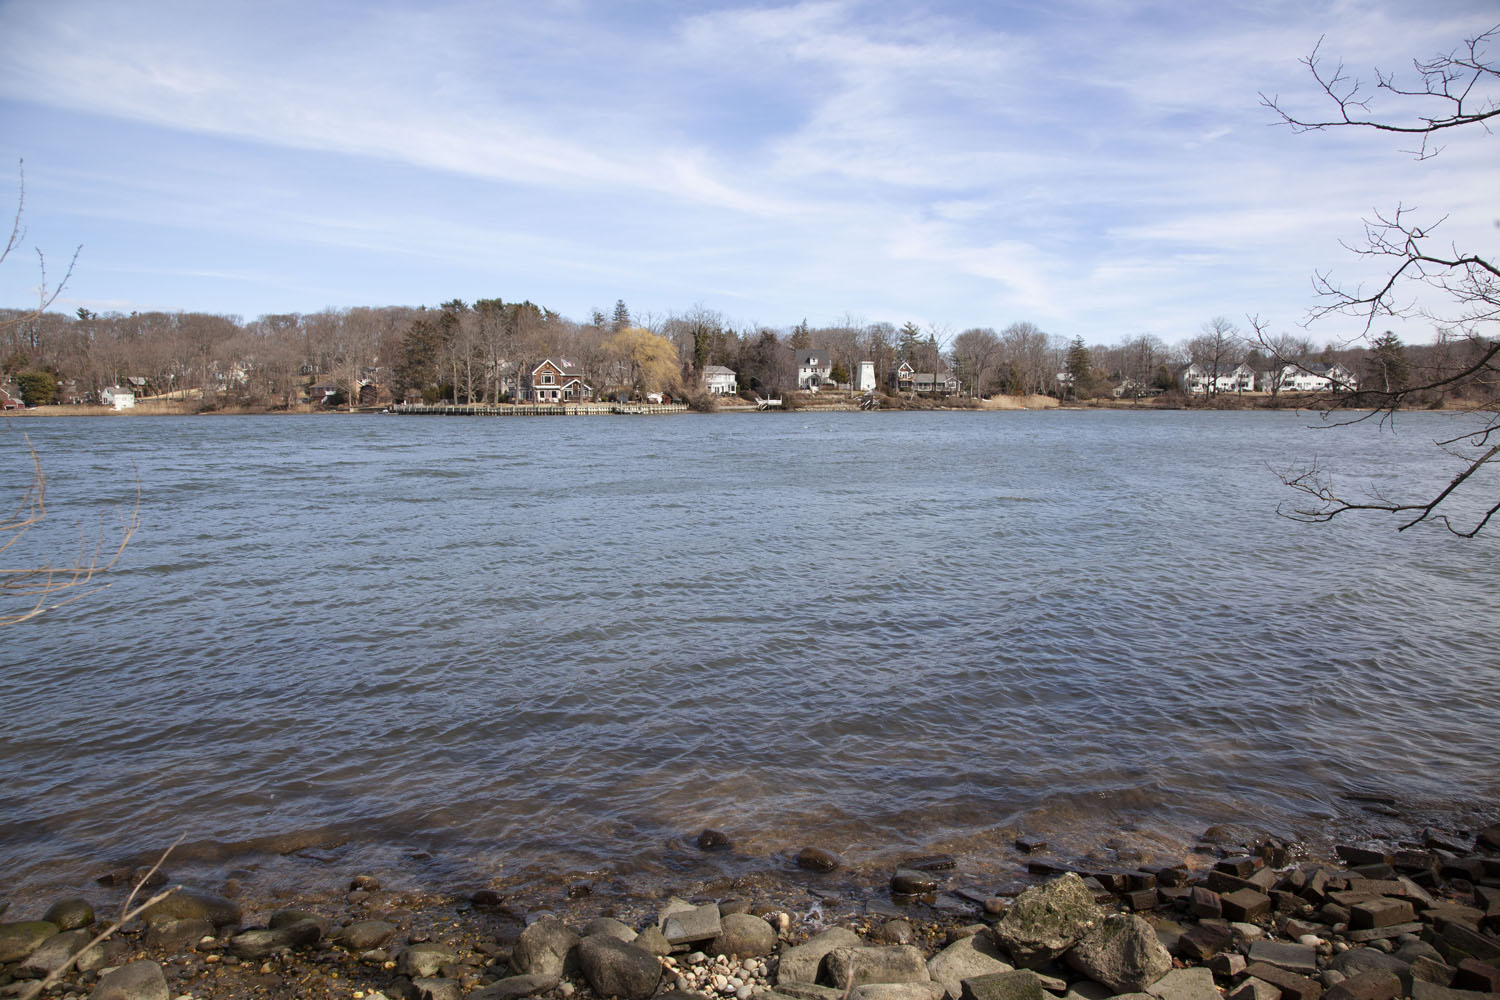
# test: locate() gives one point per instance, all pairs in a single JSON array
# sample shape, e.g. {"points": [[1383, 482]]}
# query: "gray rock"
{"points": [[1358, 960], [1431, 991], [845, 968], [743, 935], [975, 955], [286, 918], [1185, 984], [185, 905], [177, 935], [543, 948], [1018, 984], [1298, 958], [1047, 920], [1123, 953], [652, 940], [260, 943], [363, 935], [1255, 989], [52, 953], [424, 961], [70, 914], [141, 980], [515, 987], [429, 988], [20, 939], [801, 964], [616, 929], [691, 924], [899, 991], [807, 991], [616, 969]]}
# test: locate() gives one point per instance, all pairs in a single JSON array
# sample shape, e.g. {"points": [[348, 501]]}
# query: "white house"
{"points": [[120, 399], [719, 381], [1311, 377], [813, 368], [1196, 378], [864, 376]]}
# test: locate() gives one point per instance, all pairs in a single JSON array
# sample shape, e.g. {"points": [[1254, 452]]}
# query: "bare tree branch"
{"points": [[45, 298]]}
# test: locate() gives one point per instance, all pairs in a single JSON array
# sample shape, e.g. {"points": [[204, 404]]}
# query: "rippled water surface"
{"points": [[494, 645]]}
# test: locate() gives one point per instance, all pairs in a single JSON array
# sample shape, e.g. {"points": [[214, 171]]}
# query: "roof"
{"points": [[812, 357], [717, 370]]}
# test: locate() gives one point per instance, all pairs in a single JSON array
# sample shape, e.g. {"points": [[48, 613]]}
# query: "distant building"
{"points": [[117, 397], [558, 382], [864, 376], [1196, 378], [813, 368], [1312, 377], [905, 379], [719, 381]]}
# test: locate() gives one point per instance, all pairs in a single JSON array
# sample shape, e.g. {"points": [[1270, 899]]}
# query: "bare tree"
{"points": [[975, 354], [45, 295], [1216, 350], [1423, 278]]}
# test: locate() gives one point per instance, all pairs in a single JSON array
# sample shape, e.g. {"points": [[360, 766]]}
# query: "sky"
{"points": [[1097, 167]]}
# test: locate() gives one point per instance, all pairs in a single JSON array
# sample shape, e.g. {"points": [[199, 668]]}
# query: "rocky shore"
{"points": [[1250, 918]]}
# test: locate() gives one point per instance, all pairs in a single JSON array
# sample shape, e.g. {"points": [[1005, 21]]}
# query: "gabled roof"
{"points": [[717, 370], [810, 358]]}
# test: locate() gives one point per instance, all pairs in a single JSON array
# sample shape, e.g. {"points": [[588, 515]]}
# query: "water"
{"points": [[481, 649]]}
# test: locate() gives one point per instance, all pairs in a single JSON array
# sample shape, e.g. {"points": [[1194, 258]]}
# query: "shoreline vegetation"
{"points": [[1239, 914]]}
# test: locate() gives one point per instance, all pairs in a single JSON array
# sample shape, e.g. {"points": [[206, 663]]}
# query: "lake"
{"points": [[458, 649]]}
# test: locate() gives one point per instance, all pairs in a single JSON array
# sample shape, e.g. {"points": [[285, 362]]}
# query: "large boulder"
{"points": [[1019, 984], [424, 961], [186, 905], [1046, 920], [1122, 952], [683, 923], [515, 987], [18, 940], [54, 952], [141, 980], [70, 914], [975, 955], [616, 969], [542, 949], [800, 964], [846, 968]]}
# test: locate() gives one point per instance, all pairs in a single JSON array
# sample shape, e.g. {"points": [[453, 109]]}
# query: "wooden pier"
{"points": [[534, 410]]}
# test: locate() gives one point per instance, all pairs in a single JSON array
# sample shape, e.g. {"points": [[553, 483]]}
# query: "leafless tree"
{"points": [[975, 355], [45, 294], [1217, 349], [1423, 277]]}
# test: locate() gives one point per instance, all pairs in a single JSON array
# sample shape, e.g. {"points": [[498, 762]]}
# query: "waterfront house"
{"points": [[864, 376], [558, 382], [943, 383], [900, 377], [1312, 377], [1198, 379], [117, 397], [10, 397], [813, 368], [719, 381]]}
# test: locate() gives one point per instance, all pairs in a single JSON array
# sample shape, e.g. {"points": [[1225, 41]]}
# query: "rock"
{"points": [[1489, 837], [1291, 985], [1185, 984], [1430, 991], [52, 953], [424, 961], [515, 987], [70, 914], [286, 918], [815, 859], [177, 935], [743, 935], [1472, 974], [1047, 920], [364, 883], [1018, 984], [1383, 912], [1254, 989], [1358, 960], [1228, 965], [616, 969], [912, 883], [1367, 986], [616, 929], [844, 968], [141, 980], [185, 905], [899, 991], [895, 931], [1122, 952], [363, 935], [975, 955], [20, 939], [1201, 942], [1245, 905], [681, 922], [428, 988], [801, 964], [714, 840], [800, 991], [542, 949], [1298, 958], [652, 940]]}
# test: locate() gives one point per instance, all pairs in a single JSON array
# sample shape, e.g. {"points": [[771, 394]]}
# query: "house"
{"points": [[1130, 388], [558, 382], [864, 376], [813, 368], [900, 377], [1312, 377], [719, 381], [10, 397], [117, 397], [943, 383], [1196, 378]]}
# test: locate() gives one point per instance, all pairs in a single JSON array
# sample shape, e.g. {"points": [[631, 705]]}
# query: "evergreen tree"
{"points": [[622, 317], [1080, 369], [1387, 365]]}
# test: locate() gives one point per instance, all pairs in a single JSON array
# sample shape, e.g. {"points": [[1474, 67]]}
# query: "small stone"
{"points": [[1292, 985], [365, 883], [363, 935], [912, 883], [70, 914], [141, 980], [422, 961], [714, 840], [1185, 984], [816, 859]]}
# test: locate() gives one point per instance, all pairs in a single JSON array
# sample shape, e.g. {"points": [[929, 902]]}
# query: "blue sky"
{"points": [[1099, 168]]}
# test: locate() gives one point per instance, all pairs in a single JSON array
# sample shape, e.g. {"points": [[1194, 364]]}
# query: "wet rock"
{"points": [[844, 968], [616, 969], [801, 963], [20, 939], [286, 918], [515, 987], [185, 905], [1047, 920], [1019, 984], [609, 926], [894, 931], [430, 988], [975, 955], [680, 922], [816, 859], [714, 840], [424, 961], [907, 882], [70, 914], [1123, 953], [743, 935], [364, 883], [141, 980], [363, 935], [542, 949]]}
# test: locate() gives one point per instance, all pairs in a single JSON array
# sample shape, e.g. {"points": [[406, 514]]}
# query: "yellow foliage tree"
{"points": [[651, 360]]}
